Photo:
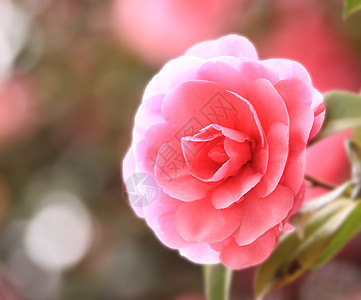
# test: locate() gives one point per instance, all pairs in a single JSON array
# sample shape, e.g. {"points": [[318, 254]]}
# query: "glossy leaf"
{"points": [[217, 281], [310, 207], [343, 111], [354, 153], [349, 228], [294, 256], [351, 6]]}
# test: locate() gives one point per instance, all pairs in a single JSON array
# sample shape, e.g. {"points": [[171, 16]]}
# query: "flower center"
{"points": [[216, 153]]}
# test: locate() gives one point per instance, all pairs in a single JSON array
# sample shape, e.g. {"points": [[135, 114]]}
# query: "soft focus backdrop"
{"points": [[72, 74]]}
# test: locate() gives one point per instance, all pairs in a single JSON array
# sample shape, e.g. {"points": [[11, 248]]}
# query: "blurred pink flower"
{"points": [[158, 30], [224, 135], [16, 109], [301, 32]]}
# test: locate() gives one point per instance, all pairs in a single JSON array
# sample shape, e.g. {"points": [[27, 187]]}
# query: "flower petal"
{"points": [[239, 257], [287, 69], [146, 151], [230, 45], [261, 214], [172, 174], [295, 91], [236, 147], [234, 188], [200, 221], [129, 170], [229, 72], [301, 118], [201, 253], [172, 74], [148, 114], [267, 102], [194, 105], [160, 217], [277, 137]]}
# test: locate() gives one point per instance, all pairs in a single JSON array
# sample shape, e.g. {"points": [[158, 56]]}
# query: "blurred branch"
{"points": [[319, 183]]}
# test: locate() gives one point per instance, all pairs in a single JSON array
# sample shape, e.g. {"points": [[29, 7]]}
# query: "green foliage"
{"points": [[325, 233], [354, 152], [343, 111], [348, 229], [309, 208], [351, 6]]}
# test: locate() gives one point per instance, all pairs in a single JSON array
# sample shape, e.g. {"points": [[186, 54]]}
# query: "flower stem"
{"points": [[318, 183], [217, 282]]}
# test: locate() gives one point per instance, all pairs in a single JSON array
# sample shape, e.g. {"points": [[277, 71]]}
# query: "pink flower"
{"points": [[327, 161], [332, 64], [328, 56], [16, 109], [159, 30], [224, 135]]}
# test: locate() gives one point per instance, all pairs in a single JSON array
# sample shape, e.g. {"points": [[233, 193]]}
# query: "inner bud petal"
{"points": [[218, 154]]}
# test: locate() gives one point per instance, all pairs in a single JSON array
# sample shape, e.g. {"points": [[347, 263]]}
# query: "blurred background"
{"points": [[72, 74]]}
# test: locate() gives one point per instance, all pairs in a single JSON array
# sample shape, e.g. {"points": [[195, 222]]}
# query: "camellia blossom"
{"points": [[159, 30], [315, 45], [17, 109], [224, 136]]}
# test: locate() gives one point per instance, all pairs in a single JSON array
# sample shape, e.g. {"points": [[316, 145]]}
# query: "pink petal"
{"points": [[200, 221], [317, 123], [148, 114], [201, 254], [129, 170], [319, 111], [299, 198], [239, 153], [295, 91], [327, 159], [261, 214], [301, 123], [230, 45], [294, 171], [229, 72], [317, 100], [287, 227], [220, 72], [234, 188], [277, 137], [172, 174], [196, 151], [260, 159], [160, 217], [146, 151], [196, 104], [239, 257], [269, 105], [247, 120], [171, 75], [287, 69]]}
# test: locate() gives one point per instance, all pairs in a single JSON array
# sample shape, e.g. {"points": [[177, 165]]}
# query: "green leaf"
{"points": [[310, 207], [217, 282], [349, 228], [294, 256], [343, 111], [351, 6], [354, 154], [357, 135]]}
